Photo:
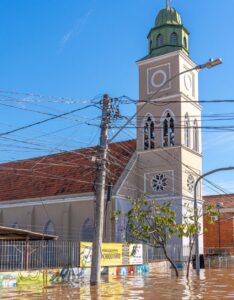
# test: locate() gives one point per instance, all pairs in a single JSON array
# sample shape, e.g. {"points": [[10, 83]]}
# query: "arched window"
{"points": [[159, 40], [185, 43], [49, 228], [186, 131], [168, 131], [195, 136], [149, 134], [87, 231], [48, 249], [174, 39]]}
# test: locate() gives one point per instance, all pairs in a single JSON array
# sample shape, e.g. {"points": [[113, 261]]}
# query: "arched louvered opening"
{"points": [[149, 134], [185, 43], [87, 231], [174, 39], [150, 45], [195, 136], [186, 131], [159, 41], [168, 131]]}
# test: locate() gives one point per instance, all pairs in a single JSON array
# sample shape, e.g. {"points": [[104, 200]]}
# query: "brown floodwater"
{"points": [[213, 284]]}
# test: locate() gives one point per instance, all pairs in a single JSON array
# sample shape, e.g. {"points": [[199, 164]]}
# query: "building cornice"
{"points": [[46, 200], [191, 151], [193, 102], [166, 56], [158, 150]]}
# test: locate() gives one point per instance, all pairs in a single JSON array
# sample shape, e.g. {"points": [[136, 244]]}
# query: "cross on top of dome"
{"points": [[168, 34], [168, 3]]}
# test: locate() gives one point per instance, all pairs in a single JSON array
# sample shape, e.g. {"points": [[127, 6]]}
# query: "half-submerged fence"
{"points": [[176, 253], [221, 251], [214, 257], [25, 255], [32, 255]]}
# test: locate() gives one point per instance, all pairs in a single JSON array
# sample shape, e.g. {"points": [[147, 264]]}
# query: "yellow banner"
{"points": [[111, 254]]}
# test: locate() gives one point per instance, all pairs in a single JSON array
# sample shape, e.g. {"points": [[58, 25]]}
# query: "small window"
{"points": [[159, 40], [174, 39], [185, 43], [168, 131], [149, 134], [214, 218]]}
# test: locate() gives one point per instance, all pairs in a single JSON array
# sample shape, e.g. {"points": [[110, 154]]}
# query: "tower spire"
{"points": [[168, 3]]}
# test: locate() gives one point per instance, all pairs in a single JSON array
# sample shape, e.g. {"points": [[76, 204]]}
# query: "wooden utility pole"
{"points": [[100, 194]]}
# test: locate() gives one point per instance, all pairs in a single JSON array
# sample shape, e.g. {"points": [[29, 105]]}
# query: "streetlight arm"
{"points": [[207, 174], [210, 64], [196, 213]]}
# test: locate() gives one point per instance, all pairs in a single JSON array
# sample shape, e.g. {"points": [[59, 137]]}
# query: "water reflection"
{"points": [[213, 284]]}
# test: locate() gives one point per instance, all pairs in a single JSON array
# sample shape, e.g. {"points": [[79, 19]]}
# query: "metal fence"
{"points": [[220, 251], [176, 253], [213, 257], [25, 255]]}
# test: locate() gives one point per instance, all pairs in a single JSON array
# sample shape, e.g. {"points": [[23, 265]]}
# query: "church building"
{"points": [[55, 194]]}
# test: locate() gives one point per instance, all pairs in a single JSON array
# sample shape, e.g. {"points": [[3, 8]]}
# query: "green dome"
{"points": [[168, 34], [168, 16]]}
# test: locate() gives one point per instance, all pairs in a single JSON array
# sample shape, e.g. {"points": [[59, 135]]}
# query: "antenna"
{"points": [[168, 3]]}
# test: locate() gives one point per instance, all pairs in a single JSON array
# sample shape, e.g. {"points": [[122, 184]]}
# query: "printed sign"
{"points": [[112, 254], [135, 254]]}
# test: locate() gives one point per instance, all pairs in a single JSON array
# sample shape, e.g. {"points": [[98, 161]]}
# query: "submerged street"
{"points": [[213, 284]]}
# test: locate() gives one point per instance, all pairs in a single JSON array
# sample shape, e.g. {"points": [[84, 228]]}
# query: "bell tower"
{"points": [[169, 116]]}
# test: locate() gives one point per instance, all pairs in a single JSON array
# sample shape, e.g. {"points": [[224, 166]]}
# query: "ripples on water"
{"points": [[213, 284]]}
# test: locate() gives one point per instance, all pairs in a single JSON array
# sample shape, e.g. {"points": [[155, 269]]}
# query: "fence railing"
{"points": [[222, 251], [31, 255], [214, 256], [25, 255], [176, 253]]}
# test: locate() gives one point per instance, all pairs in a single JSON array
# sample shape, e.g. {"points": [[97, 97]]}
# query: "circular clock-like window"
{"points": [[159, 182], [188, 82], [190, 183], [158, 78]]}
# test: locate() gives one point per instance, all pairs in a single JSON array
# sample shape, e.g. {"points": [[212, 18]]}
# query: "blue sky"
{"points": [[82, 49]]}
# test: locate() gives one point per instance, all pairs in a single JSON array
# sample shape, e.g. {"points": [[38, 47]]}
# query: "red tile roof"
{"points": [[67, 173]]}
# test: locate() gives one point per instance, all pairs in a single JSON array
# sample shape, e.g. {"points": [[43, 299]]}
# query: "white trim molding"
{"points": [[45, 201]]}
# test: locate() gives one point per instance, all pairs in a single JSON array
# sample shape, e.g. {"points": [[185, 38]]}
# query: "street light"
{"points": [[211, 63], [219, 205], [196, 213]]}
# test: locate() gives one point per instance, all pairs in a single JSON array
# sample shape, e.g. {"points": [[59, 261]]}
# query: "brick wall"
{"points": [[224, 227]]}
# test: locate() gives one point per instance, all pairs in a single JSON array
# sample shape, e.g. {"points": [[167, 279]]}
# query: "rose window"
{"points": [[159, 182], [190, 183]]}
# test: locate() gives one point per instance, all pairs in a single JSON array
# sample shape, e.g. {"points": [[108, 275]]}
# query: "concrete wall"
{"points": [[66, 217]]}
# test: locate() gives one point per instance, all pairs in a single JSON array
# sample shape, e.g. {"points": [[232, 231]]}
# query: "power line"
{"points": [[44, 121], [160, 101], [43, 98]]}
